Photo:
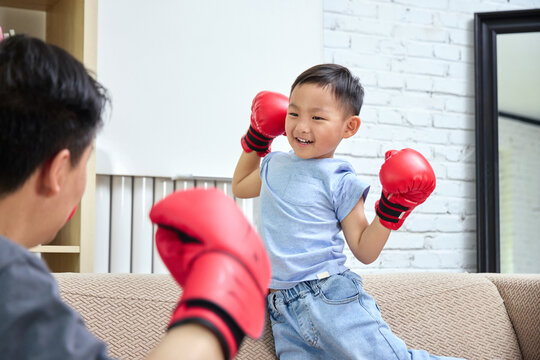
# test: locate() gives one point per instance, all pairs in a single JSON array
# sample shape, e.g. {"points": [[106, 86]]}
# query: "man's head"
{"points": [[48, 103], [324, 105], [50, 111]]}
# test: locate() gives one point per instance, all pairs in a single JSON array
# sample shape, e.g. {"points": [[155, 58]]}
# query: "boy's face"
{"points": [[316, 122]]}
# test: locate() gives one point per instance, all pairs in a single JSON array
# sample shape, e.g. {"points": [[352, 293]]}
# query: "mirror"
{"points": [[507, 54]]}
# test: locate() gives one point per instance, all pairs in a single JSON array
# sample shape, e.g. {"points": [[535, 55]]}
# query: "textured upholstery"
{"points": [[460, 315], [129, 312], [476, 316], [521, 295]]}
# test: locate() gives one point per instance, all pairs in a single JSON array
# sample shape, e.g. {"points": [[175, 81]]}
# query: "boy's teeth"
{"points": [[303, 141]]}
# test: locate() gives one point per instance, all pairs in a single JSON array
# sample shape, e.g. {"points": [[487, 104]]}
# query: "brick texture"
{"points": [[415, 59]]}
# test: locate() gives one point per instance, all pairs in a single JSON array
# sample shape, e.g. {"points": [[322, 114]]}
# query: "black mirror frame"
{"points": [[486, 27]]}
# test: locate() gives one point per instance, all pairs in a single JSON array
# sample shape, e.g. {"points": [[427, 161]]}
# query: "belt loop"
{"points": [[273, 298], [315, 287]]}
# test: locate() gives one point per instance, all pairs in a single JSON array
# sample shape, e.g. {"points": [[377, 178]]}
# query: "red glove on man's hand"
{"points": [[219, 260], [268, 113], [407, 180]]}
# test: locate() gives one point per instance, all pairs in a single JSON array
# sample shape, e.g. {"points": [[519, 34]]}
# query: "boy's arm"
{"points": [[365, 240], [407, 180], [246, 181]]}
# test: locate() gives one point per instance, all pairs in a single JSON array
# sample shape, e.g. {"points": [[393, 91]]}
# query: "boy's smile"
{"points": [[316, 122], [303, 141]]}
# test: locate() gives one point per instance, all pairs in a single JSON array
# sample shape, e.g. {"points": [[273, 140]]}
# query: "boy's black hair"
{"points": [[48, 102], [345, 86]]}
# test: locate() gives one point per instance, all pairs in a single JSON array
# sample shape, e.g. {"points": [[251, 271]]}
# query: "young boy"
{"points": [[318, 307], [50, 111]]}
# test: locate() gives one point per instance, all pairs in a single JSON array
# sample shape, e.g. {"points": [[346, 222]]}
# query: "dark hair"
{"points": [[345, 86], [48, 102]]}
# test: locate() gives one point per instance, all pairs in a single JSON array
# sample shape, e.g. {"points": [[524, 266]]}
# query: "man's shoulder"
{"points": [[9, 250], [22, 272], [11, 253]]}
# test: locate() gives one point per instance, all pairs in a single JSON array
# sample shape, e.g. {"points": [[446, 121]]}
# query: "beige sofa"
{"points": [[476, 316]]}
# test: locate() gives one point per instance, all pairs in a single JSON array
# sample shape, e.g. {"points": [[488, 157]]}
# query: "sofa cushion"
{"points": [[459, 315]]}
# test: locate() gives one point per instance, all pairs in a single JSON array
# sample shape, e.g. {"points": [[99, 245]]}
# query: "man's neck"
{"points": [[17, 221], [10, 227]]}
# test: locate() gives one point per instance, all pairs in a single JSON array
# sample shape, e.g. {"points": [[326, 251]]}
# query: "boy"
{"points": [[317, 306], [50, 111]]}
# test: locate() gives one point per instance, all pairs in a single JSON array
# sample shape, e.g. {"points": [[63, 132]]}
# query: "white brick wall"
{"points": [[415, 59]]}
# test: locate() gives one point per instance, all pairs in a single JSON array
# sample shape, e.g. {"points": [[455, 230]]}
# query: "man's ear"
{"points": [[54, 172], [352, 126]]}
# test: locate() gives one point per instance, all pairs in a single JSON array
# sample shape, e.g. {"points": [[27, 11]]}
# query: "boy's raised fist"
{"points": [[268, 113], [407, 180]]}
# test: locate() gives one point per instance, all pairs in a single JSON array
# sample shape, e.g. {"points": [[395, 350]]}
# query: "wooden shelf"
{"points": [[57, 249], [41, 5]]}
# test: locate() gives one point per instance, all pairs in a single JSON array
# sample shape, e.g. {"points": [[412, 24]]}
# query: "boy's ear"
{"points": [[353, 124], [54, 172]]}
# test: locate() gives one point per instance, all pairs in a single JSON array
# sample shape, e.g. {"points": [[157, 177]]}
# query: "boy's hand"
{"points": [[268, 113], [407, 180], [219, 260]]}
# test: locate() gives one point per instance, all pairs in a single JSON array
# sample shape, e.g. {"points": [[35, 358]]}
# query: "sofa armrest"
{"points": [[521, 295]]}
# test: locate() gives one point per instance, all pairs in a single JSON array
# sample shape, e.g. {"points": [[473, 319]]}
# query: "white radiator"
{"points": [[124, 234]]}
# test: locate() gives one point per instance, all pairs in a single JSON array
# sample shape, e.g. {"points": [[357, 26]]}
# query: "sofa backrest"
{"points": [[521, 295]]}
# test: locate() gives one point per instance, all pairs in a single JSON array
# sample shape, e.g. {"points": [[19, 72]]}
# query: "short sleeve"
{"points": [[265, 161], [350, 188], [36, 323]]}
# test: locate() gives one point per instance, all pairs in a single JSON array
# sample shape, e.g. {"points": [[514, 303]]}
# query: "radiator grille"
{"points": [[124, 234]]}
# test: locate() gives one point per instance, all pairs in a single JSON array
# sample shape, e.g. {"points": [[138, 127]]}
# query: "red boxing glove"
{"points": [[407, 181], [219, 260], [268, 113]]}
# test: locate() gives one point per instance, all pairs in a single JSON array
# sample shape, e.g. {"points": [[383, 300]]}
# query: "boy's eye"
{"points": [[293, 114], [317, 118]]}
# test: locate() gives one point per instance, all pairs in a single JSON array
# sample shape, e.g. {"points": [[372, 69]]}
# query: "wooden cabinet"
{"points": [[72, 25]]}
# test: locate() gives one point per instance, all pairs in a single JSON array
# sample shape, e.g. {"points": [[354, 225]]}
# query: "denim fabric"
{"points": [[333, 318]]}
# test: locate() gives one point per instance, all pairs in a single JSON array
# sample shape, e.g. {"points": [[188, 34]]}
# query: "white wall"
{"points": [[415, 59], [182, 75]]}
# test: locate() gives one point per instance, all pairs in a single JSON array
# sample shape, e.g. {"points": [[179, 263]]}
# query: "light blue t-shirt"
{"points": [[302, 205]]}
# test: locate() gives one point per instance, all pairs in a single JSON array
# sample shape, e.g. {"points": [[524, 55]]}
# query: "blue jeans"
{"points": [[333, 318]]}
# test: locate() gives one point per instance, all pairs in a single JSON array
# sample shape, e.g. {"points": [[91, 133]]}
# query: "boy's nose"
{"points": [[302, 125]]}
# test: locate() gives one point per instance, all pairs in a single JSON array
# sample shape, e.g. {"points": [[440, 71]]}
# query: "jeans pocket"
{"points": [[275, 315], [338, 289]]}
